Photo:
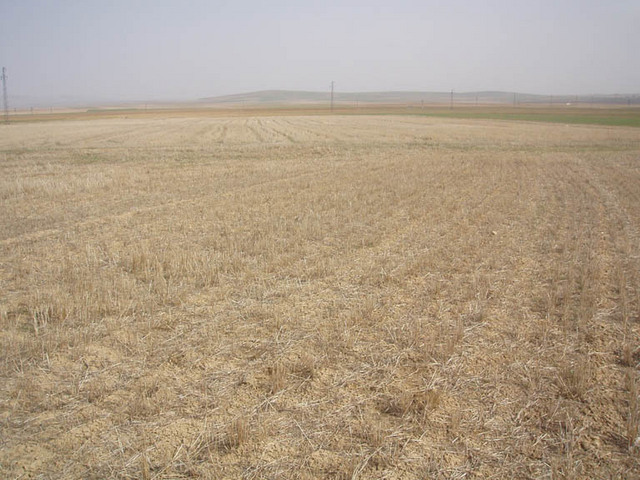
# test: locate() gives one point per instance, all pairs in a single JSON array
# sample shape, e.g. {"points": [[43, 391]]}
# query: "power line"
{"points": [[4, 95], [332, 82]]}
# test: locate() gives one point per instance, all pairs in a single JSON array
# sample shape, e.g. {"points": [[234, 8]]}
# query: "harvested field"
{"points": [[347, 297]]}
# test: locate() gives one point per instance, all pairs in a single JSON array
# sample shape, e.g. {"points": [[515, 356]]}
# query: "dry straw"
{"points": [[351, 297]]}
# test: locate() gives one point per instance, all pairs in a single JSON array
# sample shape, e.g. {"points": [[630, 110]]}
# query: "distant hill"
{"points": [[288, 97], [270, 96]]}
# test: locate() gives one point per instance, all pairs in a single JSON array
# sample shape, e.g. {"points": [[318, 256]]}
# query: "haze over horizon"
{"points": [[168, 50]]}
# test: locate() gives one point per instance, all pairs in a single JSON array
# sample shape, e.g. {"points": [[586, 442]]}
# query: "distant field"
{"points": [[611, 117], [206, 294], [578, 114]]}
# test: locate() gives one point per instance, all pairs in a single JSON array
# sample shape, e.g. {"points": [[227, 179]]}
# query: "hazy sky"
{"points": [[170, 49]]}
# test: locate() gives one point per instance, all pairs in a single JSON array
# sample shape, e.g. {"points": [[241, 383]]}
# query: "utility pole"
{"points": [[332, 82], [451, 102], [4, 95]]}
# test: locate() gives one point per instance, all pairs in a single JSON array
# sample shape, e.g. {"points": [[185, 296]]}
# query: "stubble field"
{"points": [[346, 297]]}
